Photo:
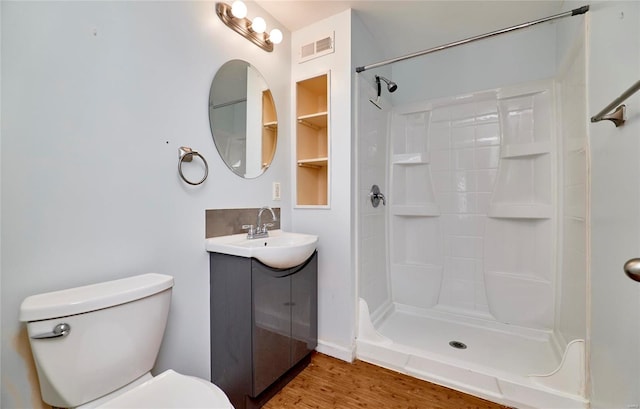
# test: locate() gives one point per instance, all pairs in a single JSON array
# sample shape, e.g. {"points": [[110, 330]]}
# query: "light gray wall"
{"points": [[333, 225], [97, 99], [519, 56], [613, 66]]}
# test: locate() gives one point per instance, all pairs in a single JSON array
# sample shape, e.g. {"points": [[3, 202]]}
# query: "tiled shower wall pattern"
{"points": [[465, 205], [461, 150], [465, 152]]}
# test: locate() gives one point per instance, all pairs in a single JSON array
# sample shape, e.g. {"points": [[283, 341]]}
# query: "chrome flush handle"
{"points": [[59, 331]]}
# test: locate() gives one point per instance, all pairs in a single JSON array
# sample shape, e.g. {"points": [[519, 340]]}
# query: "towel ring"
{"points": [[186, 155]]}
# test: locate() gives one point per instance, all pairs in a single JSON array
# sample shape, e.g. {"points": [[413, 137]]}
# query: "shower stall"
{"points": [[472, 273]]}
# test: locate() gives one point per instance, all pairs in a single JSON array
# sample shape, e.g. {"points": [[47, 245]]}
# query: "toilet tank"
{"points": [[116, 328]]}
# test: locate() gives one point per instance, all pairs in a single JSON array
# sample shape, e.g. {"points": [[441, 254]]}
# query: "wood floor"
{"points": [[331, 383]]}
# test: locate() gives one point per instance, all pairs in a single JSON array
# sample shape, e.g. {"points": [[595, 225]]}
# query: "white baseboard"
{"points": [[347, 354]]}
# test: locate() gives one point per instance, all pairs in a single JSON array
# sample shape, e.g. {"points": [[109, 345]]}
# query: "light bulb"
{"points": [[275, 36], [259, 25], [239, 9]]}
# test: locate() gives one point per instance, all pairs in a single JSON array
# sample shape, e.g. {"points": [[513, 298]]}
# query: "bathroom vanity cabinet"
{"points": [[263, 325]]}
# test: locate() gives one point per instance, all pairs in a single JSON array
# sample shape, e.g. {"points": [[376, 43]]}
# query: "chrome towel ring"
{"points": [[186, 155]]}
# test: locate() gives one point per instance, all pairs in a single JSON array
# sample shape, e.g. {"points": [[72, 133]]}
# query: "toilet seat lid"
{"points": [[172, 390]]}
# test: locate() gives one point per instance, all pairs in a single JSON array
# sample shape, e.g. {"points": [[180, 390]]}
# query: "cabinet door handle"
{"points": [[632, 269]]}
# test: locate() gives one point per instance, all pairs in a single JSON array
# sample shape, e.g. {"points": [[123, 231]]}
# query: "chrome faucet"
{"points": [[261, 230]]}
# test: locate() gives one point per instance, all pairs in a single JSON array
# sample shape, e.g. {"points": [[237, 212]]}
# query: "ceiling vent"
{"points": [[318, 48]]}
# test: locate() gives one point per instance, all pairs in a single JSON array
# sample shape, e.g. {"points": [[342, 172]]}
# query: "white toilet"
{"points": [[94, 346]]}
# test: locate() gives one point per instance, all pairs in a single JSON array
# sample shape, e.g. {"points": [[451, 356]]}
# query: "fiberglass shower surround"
{"points": [[482, 242], [485, 225], [472, 233]]}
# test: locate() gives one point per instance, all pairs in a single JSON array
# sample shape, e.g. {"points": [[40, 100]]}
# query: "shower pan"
{"points": [[462, 273]]}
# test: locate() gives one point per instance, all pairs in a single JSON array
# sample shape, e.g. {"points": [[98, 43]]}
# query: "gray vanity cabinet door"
{"points": [[271, 326], [263, 322], [304, 310], [231, 364]]}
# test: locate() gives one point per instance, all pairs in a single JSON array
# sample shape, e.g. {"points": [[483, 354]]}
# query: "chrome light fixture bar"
{"points": [[253, 31]]}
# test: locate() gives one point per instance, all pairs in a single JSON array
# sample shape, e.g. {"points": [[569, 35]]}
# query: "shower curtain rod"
{"points": [[574, 12]]}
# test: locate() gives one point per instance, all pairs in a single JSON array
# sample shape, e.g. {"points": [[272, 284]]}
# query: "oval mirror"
{"points": [[243, 119]]}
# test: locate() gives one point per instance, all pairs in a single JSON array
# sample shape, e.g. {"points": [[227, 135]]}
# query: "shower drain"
{"points": [[458, 344]]}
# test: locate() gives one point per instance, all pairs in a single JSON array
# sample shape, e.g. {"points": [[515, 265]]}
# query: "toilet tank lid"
{"points": [[92, 297]]}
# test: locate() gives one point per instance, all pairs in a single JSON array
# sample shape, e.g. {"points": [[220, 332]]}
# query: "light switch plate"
{"points": [[276, 190]]}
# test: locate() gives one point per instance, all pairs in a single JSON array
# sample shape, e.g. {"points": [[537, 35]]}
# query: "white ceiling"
{"points": [[403, 27]]}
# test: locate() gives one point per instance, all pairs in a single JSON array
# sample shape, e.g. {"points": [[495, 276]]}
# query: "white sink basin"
{"points": [[280, 250]]}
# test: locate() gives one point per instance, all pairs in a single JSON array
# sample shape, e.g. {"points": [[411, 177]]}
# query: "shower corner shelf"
{"points": [[520, 211], [414, 158], [424, 210], [525, 149]]}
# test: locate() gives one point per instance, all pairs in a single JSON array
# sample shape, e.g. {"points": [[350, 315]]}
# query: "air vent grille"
{"points": [[324, 44], [308, 50], [317, 48]]}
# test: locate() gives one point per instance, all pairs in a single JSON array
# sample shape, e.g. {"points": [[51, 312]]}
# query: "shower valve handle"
{"points": [[376, 196]]}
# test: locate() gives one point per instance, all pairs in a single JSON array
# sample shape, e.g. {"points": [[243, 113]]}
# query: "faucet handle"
{"points": [[250, 229], [265, 227]]}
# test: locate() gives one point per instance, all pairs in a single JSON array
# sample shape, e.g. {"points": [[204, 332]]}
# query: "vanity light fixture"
{"points": [[235, 17]]}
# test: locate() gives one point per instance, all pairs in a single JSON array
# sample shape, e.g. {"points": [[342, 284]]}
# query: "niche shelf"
{"points": [[269, 128], [315, 121], [313, 163], [312, 142]]}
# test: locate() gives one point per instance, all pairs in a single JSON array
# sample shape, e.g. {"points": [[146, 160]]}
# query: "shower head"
{"points": [[391, 86]]}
